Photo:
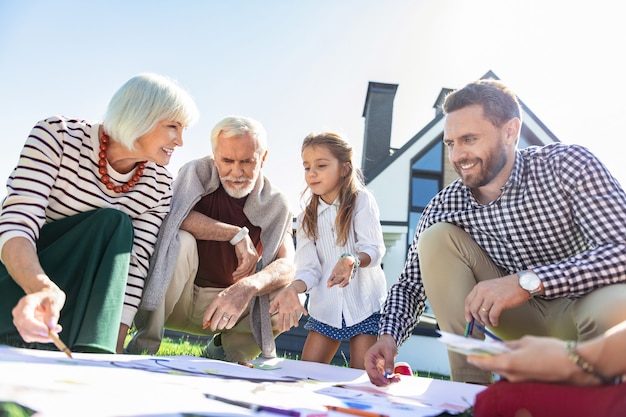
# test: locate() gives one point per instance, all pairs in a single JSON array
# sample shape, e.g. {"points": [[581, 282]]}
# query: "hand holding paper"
{"points": [[469, 346]]}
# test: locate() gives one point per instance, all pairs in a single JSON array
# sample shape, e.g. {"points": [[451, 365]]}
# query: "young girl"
{"points": [[339, 249]]}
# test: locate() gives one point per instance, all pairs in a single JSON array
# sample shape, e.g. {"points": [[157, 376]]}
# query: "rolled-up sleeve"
{"points": [[368, 229], [308, 267]]}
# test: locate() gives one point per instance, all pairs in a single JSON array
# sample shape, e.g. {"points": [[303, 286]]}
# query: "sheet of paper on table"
{"points": [[141, 386], [470, 346]]}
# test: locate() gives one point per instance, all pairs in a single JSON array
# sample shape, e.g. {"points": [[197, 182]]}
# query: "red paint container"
{"points": [[403, 368]]}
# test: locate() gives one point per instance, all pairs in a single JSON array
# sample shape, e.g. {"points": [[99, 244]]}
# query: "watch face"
{"points": [[529, 281]]}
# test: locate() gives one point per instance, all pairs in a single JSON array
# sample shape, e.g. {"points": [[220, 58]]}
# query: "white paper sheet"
{"points": [[470, 346], [142, 386]]}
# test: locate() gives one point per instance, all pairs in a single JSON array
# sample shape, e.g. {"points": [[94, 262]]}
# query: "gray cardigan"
{"points": [[266, 207]]}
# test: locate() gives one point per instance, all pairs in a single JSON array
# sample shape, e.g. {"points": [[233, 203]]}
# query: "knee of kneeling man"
{"points": [[436, 235]]}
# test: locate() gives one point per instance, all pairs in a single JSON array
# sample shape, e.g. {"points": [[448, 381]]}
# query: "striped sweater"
{"points": [[57, 177]]}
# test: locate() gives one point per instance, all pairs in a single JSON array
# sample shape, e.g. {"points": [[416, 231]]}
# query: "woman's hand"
{"points": [[37, 313], [534, 359]]}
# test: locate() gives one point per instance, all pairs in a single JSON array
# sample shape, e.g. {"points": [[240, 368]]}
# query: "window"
{"points": [[426, 182]]}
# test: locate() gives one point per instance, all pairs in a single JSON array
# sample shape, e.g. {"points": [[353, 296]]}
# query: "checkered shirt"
{"points": [[561, 214]]}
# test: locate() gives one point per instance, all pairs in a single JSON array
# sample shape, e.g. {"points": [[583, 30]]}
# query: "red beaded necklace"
{"points": [[106, 179]]}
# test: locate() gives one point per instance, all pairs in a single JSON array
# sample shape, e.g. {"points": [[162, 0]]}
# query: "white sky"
{"points": [[300, 66]]}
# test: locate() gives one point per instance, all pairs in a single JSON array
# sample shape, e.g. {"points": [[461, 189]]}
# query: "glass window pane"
{"points": [[422, 190], [414, 218], [432, 160]]}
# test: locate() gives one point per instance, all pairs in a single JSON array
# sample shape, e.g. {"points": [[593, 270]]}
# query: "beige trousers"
{"points": [[183, 308], [452, 263]]}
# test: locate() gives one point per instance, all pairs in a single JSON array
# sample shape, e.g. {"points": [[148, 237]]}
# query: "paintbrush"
{"points": [[59, 344]]}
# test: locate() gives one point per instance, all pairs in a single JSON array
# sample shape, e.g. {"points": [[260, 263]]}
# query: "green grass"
{"points": [[431, 375], [183, 347], [171, 347], [11, 409]]}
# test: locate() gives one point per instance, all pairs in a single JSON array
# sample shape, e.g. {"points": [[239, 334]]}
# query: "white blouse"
{"points": [[315, 261]]}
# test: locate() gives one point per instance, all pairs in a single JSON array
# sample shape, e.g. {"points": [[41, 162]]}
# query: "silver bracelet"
{"points": [[242, 233]]}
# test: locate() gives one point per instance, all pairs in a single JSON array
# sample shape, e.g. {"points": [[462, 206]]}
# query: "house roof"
{"points": [[533, 130]]}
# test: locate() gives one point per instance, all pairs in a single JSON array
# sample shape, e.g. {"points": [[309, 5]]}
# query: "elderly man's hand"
{"points": [[247, 258], [226, 309]]}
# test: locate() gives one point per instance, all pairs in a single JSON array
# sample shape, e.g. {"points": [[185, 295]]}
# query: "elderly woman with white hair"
{"points": [[83, 209]]}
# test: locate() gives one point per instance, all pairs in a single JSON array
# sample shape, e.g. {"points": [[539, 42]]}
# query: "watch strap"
{"points": [[242, 233]]}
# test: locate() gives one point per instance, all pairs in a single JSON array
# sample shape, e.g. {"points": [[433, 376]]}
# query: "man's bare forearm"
{"points": [[206, 228], [273, 277]]}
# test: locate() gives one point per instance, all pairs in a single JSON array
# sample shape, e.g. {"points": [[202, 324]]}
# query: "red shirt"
{"points": [[218, 260]]}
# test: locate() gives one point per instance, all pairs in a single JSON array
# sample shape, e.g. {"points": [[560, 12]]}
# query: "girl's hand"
{"points": [[342, 272], [287, 304]]}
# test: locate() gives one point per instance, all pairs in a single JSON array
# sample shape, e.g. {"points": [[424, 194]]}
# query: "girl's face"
{"points": [[323, 172]]}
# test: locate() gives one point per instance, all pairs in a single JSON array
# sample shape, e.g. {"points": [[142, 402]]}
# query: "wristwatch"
{"points": [[529, 281], [243, 232]]}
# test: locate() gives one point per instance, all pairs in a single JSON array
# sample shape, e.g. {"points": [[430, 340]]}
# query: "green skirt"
{"points": [[87, 256]]}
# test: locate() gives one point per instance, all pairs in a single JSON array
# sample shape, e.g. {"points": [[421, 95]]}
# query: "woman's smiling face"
{"points": [[159, 144]]}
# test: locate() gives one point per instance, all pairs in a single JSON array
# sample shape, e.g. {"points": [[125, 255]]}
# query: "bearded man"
{"points": [[526, 241], [223, 252]]}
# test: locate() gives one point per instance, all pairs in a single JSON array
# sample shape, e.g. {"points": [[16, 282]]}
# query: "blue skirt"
{"points": [[368, 326]]}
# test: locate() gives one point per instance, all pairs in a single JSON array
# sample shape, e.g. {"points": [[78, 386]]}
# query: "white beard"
{"points": [[238, 192]]}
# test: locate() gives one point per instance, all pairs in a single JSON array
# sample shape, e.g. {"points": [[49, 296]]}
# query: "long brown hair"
{"points": [[348, 189]]}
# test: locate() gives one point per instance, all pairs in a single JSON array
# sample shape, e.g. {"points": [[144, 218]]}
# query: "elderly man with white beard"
{"points": [[223, 252]]}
